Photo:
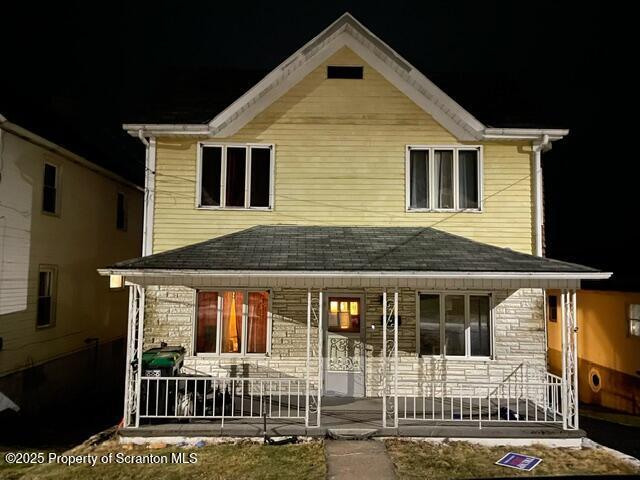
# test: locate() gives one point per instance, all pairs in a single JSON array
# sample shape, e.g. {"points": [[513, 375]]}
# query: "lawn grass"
{"points": [[465, 460], [224, 461]]}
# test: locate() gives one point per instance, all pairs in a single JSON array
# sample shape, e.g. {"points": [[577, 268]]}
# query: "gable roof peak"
{"points": [[347, 31]]}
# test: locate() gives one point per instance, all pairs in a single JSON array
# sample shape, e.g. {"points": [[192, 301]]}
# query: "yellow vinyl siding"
{"points": [[340, 160]]}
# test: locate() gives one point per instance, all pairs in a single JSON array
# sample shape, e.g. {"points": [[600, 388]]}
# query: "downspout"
{"points": [[538, 148], [149, 192]]}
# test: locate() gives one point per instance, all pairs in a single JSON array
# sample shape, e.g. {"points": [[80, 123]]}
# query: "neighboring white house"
{"points": [[61, 216]]}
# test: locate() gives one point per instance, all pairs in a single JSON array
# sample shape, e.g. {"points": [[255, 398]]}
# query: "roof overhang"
{"points": [[357, 274], [346, 31]]}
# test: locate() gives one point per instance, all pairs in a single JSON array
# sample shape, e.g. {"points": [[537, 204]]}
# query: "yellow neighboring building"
{"points": [[608, 346], [61, 216]]}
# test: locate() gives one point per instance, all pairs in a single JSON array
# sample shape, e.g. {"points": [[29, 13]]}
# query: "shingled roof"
{"points": [[347, 249]]}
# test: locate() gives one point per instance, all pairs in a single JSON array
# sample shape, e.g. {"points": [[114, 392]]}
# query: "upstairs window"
{"points": [[235, 176], [50, 189], [121, 212], [443, 178]]}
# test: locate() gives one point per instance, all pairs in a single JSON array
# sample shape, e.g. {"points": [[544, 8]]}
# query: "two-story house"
{"points": [[345, 237], [62, 327]]}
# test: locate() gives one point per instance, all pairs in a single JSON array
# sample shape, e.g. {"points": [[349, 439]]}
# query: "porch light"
{"points": [[116, 281]]}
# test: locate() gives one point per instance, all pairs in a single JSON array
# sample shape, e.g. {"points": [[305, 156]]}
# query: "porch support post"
{"points": [[140, 308], [129, 359], [133, 367], [320, 353], [308, 363], [576, 391], [395, 358], [384, 358], [569, 360]]}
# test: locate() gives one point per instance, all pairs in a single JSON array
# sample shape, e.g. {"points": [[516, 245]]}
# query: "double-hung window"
{"points": [[235, 176], [634, 320], [456, 324], [232, 322], [46, 310], [443, 178], [50, 189]]}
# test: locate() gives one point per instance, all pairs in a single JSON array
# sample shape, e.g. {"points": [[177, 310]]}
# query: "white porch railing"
{"points": [[222, 398], [508, 401]]}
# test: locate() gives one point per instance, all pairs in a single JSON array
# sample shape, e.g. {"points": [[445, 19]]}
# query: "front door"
{"points": [[344, 346]]}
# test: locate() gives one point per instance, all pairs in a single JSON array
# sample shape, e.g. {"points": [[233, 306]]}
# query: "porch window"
{"points": [[634, 320], [223, 318], [235, 176], [445, 178], [457, 325]]}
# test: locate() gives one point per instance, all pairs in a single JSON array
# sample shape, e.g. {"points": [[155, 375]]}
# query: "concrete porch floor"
{"points": [[342, 414]]}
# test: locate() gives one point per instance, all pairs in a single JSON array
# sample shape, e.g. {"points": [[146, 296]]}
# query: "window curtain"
{"points": [[468, 176], [443, 174], [419, 177], [257, 322], [233, 303]]}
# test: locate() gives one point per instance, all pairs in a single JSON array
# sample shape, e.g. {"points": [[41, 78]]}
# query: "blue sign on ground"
{"points": [[521, 462]]}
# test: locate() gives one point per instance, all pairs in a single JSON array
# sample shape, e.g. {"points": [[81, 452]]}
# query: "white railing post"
{"points": [[320, 354], [308, 364], [395, 357], [384, 358]]}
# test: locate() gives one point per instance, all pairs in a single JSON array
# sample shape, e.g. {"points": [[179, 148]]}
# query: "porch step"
{"points": [[351, 433]]}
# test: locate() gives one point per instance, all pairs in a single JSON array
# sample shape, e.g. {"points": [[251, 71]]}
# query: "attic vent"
{"points": [[340, 71]]}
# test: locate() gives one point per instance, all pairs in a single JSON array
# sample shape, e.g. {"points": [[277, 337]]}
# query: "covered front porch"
{"points": [[414, 352]]}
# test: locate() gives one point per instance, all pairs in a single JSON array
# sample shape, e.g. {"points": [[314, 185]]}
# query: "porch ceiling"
{"points": [[349, 256]]}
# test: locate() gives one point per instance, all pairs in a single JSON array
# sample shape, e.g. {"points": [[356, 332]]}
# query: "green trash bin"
{"points": [[163, 361]]}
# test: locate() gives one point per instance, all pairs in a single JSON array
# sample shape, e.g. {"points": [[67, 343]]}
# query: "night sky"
{"points": [[68, 66]]}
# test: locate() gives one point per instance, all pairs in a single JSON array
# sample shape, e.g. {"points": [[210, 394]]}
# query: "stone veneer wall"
{"points": [[518, 328]]}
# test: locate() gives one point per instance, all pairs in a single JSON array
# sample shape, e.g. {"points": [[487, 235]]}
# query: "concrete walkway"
{"points": [[357, 459]]}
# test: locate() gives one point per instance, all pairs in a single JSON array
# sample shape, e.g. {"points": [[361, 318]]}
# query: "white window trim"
{"points": [[245, 320], [53, 271], [223, 176], [467, 327], [58, 208], [456, 149]]}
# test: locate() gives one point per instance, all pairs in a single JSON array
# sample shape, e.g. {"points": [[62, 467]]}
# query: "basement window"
{"points": [[346, 72], [235, 176], [443, 178]]}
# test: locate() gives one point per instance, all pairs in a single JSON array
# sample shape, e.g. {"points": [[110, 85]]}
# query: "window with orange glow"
{"points": [[344, 314], [232, 322]]}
